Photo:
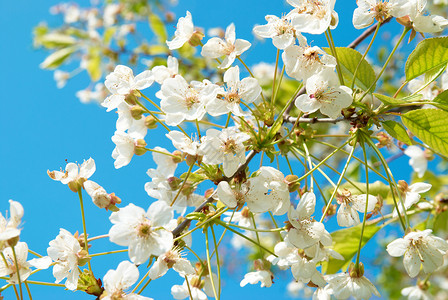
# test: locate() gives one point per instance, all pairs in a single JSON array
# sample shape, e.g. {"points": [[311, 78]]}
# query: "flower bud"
{"points": [[174, 183], [179, 157], [196, 38], [150, 122], [356, 271], [137, 112], [139, 148], [190, 159], [130, 99], [293, 183], [89, 284]]}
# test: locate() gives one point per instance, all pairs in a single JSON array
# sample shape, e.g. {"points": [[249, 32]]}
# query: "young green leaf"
{"points": [[397, 131], [429, 55], [430, 126], [56, 58], [158, 27]]}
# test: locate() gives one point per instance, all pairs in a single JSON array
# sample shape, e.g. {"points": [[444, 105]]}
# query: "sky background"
{"points": [[42, 126]]}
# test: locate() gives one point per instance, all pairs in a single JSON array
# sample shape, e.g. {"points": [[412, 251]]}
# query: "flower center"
{"points": [[230, 146], [144, 229]]}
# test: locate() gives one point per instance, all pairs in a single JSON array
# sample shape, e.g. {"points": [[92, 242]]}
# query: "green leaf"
{"points": [[441, 101], [158, 27], [394, 101], [158, 50], [94, 64], [429, 55], [430, 126], [56, 58], [348, 60], [346, 242], [56, 40], [397, 131], [108, 34]]}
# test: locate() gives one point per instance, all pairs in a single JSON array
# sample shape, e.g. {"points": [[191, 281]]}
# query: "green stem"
{"points": [[28, 291], [109, 252], [86, 245], [150, 101], [335, 54], [140, 282], [365, 54], [218, 267], [209, 266], [251, 74], [144, 287], [18, 271], [183, 184], [275, 76], [405, 30], [340, 179]]}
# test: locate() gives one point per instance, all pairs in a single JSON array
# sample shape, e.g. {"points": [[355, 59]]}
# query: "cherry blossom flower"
{"points": [[416, 293], [350, 205], [268, 191], [410, 194], [230, 47], [182, 101], [343, 286], [303, 61], [195, 286], [423, 22], [312, 16], [279, 29], [370, 10], [74, 174], [97, 94], [121, 82], [419, 248], [229, 99], [161, 73], [9, 228], [168, 260], [224, 147], [418, 160], [145, 233], [184, 32], [325, 94], [183, 142], [126, 144], [262, 276], [116, 281], [66, 251], [305, 231], [100, 197], [9, 267], [61, 78]]}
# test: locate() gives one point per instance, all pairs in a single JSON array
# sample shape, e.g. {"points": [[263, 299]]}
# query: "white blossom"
{"points": [[419, 248], [74, 172], [229, 47], [145, 233], [117, 281], [268, 192], [350, 205], [306, 232], [61, 78], [416, 293], [161, 73], [410, 194], [279, 29], [303, 61], [369, 10], [224, 147], [199, 289], [228, 99], [423, 22], [183, 142], [312, 16], [9, 228], [264, 277], [343, 286], [325, 94], [168, 260], [184, 32], [100, 197], [66, 251], [418, 160], [9, 267]]}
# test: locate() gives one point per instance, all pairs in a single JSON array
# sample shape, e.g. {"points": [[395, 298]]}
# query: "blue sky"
{"points": [[42, 126]]}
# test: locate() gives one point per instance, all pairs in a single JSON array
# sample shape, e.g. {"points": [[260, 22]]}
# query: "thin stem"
{"points": [[218, 267], [86, 244], [365, 54], [275, 224], [140, 282], [209, 266], [150, 101], [154, 116], [335, 54], [34, 253], [340, 180], [188, 287], [108, 252], [229, 116], [183, 184], [310, 166], [28, 291], [367, 203], [251, 74], [18, 271], [405, 30], [144, 287], [275, 76]]}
